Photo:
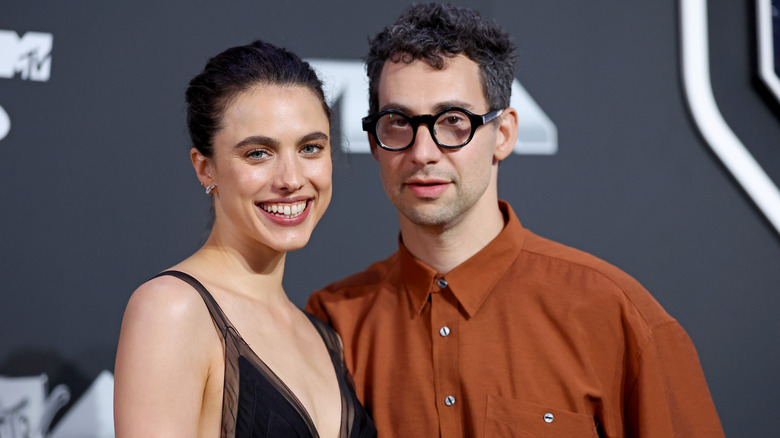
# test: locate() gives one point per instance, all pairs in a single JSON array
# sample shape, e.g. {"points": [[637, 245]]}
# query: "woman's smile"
{"points": [[286, 213]]}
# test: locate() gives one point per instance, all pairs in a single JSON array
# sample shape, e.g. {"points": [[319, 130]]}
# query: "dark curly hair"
{"points": [[433, 31], [235, 70]]}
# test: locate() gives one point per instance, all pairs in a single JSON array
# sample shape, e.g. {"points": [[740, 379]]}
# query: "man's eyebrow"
{"points": [[450, 103], [257, 140], [395, 106], [436, 108]]}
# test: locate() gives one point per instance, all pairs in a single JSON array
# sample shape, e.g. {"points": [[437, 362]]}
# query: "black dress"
{"points": [[257, 403]]}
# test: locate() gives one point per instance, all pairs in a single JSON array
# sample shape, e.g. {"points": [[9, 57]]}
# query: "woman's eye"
{"points": [[311, 149], [257, 154]]}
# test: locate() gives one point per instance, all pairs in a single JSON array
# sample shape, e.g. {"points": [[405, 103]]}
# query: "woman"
{"points": [[248, 362]]}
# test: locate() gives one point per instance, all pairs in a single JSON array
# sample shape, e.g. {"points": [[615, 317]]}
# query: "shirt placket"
{"points": [[444, 338]]}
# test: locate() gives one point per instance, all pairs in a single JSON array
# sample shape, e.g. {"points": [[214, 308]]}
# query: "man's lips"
{"points": [[430, 188]]}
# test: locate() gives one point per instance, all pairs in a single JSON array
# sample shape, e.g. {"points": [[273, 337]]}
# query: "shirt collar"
{"points": [[471, 281]]}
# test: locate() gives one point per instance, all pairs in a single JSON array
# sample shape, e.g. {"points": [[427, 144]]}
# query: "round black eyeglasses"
{"points": [[450, 128]]}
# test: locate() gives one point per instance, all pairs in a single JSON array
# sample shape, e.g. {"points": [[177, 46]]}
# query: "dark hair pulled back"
{"points": [[236, 70]]}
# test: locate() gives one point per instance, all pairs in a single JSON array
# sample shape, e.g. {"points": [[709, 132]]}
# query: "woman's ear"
{"points": [[506, 134], [203, 167]]}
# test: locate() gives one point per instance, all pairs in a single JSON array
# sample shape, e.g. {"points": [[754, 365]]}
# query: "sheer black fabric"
{"points": [[256, 403]]}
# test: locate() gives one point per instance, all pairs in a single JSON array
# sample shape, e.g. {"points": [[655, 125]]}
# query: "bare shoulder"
{"points": [[167, 321], [168, 353], [166, 298]]}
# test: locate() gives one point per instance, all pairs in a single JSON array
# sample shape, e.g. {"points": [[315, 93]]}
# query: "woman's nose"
{"points": [[289, 174]]}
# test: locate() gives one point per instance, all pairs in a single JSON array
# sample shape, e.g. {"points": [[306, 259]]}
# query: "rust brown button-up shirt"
{"points": [[527, 338]]}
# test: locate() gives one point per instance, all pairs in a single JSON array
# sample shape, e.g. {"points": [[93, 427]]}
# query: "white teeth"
{"points": [[285, 210]]}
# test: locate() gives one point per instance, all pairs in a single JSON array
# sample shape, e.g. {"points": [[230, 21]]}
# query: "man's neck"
{"points": [[445, 247]]}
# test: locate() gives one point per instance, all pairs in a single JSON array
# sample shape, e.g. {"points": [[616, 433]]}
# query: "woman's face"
{"points": [[272, 164]]}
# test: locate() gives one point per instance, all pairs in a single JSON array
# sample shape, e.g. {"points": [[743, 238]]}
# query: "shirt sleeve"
{"points": [[670, 395]]}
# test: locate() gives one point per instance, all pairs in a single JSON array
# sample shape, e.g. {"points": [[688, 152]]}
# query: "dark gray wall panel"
{"points": [[98, 193]]}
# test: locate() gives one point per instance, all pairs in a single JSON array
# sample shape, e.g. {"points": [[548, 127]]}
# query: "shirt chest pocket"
{"points": [[515, 418]]}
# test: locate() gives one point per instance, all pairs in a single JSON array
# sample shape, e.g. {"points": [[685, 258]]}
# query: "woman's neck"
{"points": [[255, 272]]}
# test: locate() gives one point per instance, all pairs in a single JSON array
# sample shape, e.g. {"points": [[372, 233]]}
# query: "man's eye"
{"points": [[452, 119], [397, 121]]}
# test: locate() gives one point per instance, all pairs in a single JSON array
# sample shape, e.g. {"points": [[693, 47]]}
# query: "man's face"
{"points": [[432, 186]]}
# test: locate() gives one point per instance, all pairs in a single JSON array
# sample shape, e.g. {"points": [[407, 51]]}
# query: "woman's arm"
{"points": [[167, 349]]}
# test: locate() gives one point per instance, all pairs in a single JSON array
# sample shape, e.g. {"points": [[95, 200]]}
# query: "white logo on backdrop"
{"points": [[768, 17], [29, 57], [706, 114], [346, 85], [5, 123], [26, 410]]}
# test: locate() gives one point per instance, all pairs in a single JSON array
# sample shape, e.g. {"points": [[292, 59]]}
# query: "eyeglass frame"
{"points": [[370, 122]]}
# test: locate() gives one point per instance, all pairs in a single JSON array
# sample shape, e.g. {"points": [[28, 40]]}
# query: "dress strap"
{"points": [[222, 322], [329, 337]]}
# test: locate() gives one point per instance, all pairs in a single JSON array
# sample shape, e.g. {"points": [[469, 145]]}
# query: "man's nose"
{"points": [[424, 150]]}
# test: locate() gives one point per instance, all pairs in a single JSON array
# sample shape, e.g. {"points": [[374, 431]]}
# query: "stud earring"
{"points": [[210, 189]]}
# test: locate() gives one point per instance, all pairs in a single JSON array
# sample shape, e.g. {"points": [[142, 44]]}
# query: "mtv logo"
{"points": [[25, 408], [346, 85], [29, 56]]}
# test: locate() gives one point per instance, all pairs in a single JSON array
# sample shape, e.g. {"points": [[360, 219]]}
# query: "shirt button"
{"points": [[449, 401], [444, 331], [442, 283], [548, 418]]}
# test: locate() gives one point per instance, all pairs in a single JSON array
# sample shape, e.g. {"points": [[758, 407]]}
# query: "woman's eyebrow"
{"points": [[317, 135], [258, 140], [262, 140]]}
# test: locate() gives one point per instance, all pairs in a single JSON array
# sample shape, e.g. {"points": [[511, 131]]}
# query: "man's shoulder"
{"points": [[568, 257], [351, 294], [364, 281], [597, 277]]}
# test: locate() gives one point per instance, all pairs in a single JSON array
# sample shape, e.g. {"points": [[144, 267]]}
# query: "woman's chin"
{"points": [[292, 244]]}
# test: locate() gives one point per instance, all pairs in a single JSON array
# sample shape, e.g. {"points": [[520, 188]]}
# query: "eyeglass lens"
{"points": [[451, 128]]}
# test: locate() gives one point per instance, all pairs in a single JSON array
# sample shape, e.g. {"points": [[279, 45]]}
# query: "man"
{"points": [[477, 327]]}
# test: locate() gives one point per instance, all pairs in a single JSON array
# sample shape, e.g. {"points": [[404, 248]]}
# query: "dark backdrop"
{"points": [[98, 194]]}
